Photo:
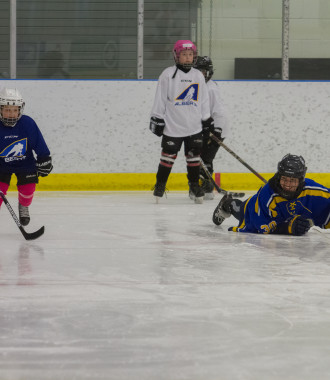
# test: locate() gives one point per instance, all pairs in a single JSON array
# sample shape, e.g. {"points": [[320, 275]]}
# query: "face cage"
{"points": [[206, 70], [11, 121], [207, 74], [186, 65], [289, 195]]}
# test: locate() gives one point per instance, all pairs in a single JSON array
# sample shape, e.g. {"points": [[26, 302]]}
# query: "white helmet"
{"points": [[11, 97]]}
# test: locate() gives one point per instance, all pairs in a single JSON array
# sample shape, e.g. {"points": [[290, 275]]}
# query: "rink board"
{"points": [[145, 181]]}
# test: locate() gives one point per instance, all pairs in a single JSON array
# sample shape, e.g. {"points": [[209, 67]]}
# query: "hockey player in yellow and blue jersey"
{"points": [[288, 204]]}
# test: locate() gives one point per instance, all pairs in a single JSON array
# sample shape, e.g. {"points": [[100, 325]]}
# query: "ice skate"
{"points": [[24, 216], [208, 188], [222, 211], [159, 190], [196, 193]]}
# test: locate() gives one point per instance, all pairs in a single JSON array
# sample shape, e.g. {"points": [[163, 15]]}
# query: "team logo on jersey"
{"points": [[295, 208], [15, 151], [189, 96]]}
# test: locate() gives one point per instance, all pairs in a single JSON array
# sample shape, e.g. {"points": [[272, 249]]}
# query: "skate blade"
{"points": [[199, 200], [209, 196], [218, 220], [192, 196]]}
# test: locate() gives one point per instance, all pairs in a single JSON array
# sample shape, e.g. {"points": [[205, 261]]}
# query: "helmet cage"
{"points": [[205, 65], [294, 167], [11, 97], [184, 45]]}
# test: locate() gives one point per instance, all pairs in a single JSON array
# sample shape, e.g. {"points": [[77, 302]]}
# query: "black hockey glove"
{"points": [[207, 127], [157, 126], [44, 166], [217, 133], [299, 225]]}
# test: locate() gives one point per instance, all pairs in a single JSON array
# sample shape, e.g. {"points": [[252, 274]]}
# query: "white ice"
{"points": [[119, 287]]}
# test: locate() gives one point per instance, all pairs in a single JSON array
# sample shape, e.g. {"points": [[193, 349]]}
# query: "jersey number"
{"points": [[267, 228]]}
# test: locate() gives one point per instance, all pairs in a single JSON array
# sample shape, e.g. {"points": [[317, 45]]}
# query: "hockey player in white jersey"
{"points": [[181, 109], [220, 128]]}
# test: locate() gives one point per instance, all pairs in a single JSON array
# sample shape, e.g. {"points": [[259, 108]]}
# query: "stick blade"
{"points": [[236, 195], [33, 235]]}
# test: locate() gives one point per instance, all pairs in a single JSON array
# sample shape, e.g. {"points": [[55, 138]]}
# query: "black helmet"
{"points": [[205, 65], [290, 166]]}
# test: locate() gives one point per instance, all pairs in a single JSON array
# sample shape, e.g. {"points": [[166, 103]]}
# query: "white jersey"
{"points": [[217, 113], [182, 101]]}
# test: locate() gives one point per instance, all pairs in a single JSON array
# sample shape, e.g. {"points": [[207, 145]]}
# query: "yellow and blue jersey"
{"points": [[266, 212]]}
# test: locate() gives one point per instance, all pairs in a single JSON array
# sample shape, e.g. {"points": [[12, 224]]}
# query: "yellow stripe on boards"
{"points": [[145, 181], [243, 181], [250, 182], [105, 182]]}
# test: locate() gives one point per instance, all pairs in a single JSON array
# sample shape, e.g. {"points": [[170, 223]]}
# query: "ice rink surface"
{"points": [[122, 288]]}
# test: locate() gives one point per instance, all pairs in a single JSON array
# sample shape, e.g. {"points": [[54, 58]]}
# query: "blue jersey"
{"points": [[17, 145], [266, 211]]}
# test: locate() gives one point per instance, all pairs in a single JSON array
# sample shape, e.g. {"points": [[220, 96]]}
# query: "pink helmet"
{"points": [[183, 45]]}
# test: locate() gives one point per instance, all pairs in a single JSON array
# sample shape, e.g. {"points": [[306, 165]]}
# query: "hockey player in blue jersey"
{"points": [[23, 151], [288, 204]]}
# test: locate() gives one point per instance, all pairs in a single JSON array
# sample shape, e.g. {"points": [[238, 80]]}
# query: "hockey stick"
{"points": [[218, 141], [219, 190], [27, 236]]}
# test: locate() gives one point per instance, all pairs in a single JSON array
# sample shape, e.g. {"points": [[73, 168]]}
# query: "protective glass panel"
{"points": [[4, 39], [165, 23], [236, 34], [98, 40], [309, 39], [76, 39]]}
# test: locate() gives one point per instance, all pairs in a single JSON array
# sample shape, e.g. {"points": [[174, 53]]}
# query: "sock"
{"points": [[3, 187], [25, 193], [163, 174], [193, 173]]}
